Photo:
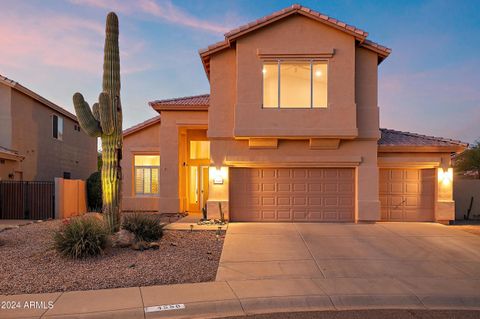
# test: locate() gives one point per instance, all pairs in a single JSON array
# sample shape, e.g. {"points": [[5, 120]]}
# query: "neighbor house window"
{"points": [[147, 168], [57, 127], [199, 150], [294, 84]]}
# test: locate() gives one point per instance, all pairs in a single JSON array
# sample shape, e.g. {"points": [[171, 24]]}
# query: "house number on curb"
{"points": [[165, 308]]}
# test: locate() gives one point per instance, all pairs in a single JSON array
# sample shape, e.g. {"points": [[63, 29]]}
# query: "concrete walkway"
{"points": [[190, 222], [301, 267]]}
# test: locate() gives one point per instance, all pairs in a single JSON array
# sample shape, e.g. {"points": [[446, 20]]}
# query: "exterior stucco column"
{"points": [[169, 200], [444, 203], [368, 203]]}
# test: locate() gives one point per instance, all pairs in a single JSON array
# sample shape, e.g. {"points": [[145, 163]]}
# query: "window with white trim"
{"points": [[147, 170], [57, 127], [289, 84]]}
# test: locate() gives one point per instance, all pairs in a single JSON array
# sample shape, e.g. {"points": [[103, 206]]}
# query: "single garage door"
{"points": [[407, 194], [292, 194]]}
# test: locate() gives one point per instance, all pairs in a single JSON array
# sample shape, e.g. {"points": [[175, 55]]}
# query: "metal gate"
{"points": [[27, 200]]}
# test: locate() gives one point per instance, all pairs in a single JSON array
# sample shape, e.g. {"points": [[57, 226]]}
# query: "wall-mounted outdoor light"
{"points": [[217, 177], [445, 175]]}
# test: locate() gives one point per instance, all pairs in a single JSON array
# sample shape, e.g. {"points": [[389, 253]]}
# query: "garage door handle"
{"points": [[403, 201]]}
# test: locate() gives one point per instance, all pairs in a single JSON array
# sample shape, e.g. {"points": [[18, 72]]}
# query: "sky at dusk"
{"points": [[430, 84]]}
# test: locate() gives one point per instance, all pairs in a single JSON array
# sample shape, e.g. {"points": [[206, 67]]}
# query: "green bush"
{"points": [[144, 227], [81, 237], [94, 192]]}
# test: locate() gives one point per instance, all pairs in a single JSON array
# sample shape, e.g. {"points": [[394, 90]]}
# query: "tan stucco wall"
{"points": [[170, 166], [162, 139], [235, 108], [294, 35], [7, 169], [5, 116], [70, 198], [463, 190], [143, 142], [46, 157]]}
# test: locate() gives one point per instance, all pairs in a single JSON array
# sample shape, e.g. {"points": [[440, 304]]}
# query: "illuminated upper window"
{"points": [[147, 169], [199, 150], [294, 85]]}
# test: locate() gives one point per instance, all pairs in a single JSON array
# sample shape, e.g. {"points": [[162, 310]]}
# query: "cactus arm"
{"points": [[96, 111], [85, 117], [106, 114]]}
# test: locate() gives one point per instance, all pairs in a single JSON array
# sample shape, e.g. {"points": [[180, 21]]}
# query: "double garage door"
{"points": [[292, 194], [326, 194]]}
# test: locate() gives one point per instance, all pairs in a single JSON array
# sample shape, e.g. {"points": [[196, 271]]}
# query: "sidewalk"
{"points": [[241, 297]]}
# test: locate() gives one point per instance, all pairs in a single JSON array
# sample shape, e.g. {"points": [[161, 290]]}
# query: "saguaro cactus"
{"points": [[105, 120]]}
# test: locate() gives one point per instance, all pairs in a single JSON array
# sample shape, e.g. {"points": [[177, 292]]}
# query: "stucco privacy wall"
{"points": [[142, 142], [70, 198], [463, 190], [45, 156]]}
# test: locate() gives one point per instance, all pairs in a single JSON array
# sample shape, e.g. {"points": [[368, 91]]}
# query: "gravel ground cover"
{"points": [[29, 264]]}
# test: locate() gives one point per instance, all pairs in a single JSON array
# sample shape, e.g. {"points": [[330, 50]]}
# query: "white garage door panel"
{"points": [[292, 194], [407, 194]]}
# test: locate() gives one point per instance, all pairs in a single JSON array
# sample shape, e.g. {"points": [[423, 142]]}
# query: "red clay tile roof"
{"points": [[230, 36], [295, 8], [186, 103], [393, 138], [141, 125]]}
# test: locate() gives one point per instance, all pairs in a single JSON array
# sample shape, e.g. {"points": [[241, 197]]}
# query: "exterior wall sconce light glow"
{"points": [[445, 175], [217, 177]]}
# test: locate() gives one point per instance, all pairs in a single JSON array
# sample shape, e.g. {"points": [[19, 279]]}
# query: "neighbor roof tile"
{"points": [[398, 138]]}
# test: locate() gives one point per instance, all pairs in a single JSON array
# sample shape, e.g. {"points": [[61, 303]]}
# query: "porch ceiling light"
{"points": [[445, 175]]}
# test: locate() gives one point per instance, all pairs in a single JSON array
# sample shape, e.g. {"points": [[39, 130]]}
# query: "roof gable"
{"points": [[17, 86], [231, 36], [141, 126]]}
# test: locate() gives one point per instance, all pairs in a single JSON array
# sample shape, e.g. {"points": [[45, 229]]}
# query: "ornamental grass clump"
{"points": [[145, 228], [81, 237]]}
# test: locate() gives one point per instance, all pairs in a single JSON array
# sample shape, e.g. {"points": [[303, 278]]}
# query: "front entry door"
{"points": [[198, 188]]}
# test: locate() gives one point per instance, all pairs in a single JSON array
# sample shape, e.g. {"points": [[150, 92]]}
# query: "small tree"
{"points": [[469, 160]]}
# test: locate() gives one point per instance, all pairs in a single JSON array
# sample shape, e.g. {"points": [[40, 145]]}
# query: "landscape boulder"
{"points": [[123, 239]]}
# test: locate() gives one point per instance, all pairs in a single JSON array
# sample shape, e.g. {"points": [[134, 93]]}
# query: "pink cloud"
{"points": [[59, 40], [166, 11]]}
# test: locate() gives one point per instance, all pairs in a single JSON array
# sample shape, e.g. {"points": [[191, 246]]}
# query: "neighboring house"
{"points": [[289, 132], [39, 140]]}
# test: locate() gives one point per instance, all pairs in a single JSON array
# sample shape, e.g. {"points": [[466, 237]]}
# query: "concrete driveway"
{"points": [[402, 265]]}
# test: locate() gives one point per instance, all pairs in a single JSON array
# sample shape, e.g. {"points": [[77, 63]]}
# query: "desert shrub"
{"points": [[94, 192], [145, 228], [81, 237]]}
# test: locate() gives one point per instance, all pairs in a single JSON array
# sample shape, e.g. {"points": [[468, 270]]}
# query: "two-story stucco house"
{"points": [[39, 140], [289, 132]]}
